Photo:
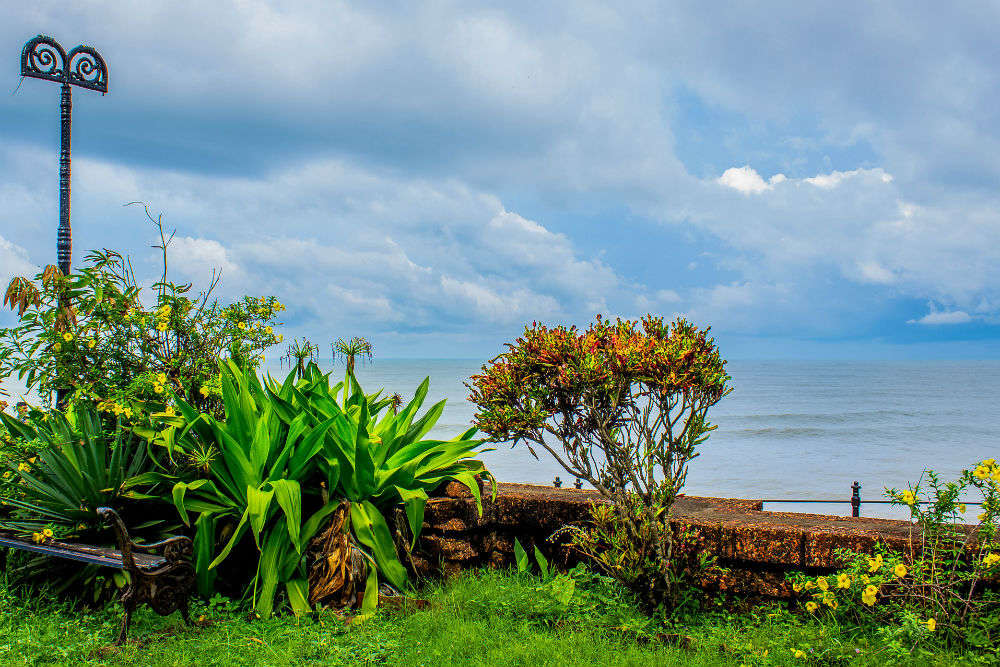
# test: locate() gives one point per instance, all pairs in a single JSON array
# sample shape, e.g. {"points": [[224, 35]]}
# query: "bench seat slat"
{"points": [[83, 553]]}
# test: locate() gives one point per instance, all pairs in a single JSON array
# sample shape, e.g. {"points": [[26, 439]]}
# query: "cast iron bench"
{"points": [[161, 581]]}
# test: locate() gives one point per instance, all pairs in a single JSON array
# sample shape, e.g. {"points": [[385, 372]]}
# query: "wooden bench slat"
{"points": [[83, 553]]}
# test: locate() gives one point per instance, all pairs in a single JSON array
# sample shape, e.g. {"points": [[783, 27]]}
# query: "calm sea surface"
{"points": [[790, 429]]}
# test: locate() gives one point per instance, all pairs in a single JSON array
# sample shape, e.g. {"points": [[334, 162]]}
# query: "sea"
{"points": [[789, 430]]}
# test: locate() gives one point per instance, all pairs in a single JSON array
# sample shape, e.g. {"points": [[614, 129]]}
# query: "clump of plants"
{"points": [[623, 405], [943, 591], [285, 458], [95, 336]]}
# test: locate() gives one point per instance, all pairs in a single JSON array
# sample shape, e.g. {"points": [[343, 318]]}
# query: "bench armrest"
{"points": [[174, 548]]}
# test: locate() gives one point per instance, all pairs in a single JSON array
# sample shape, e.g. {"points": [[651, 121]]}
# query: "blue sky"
{"points": [[811, 182]]}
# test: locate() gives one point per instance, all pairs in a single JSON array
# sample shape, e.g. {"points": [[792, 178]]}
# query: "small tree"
{"points": [[621, 405], [93, 336]]}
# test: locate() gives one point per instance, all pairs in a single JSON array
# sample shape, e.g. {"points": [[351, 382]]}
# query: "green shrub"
{"points": [[621, 405], [943, 592], [71, 465], [91, 336], [283, 459]]}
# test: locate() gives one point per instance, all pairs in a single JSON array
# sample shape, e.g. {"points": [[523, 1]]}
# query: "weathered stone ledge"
{"points": [[758, 547]]}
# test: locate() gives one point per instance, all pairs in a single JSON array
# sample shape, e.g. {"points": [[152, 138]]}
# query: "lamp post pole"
{"points": [[43, 58]]}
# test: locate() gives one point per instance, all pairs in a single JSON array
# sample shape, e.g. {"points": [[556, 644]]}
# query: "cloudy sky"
{"points": [[817, 183]]}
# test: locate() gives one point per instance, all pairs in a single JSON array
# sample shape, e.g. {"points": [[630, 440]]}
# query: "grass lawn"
{"points": [[484, 618]]}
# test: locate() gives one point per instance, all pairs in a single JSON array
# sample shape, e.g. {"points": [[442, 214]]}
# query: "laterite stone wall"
{"points": [[758, 547]]}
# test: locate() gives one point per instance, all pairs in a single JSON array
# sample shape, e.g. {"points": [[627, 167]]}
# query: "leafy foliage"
{"points": [[622, 405], [70, 465], [75, 467], [286, 455], [943, 591], [92, 335]]}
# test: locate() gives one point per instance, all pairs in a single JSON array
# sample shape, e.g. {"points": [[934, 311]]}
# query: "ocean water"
{"points": [[790, 429]]}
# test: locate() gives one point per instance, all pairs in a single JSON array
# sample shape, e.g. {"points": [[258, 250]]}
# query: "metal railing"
{"points": [[855, 500]]}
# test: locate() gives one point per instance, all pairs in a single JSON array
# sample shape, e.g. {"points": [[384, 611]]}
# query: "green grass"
{"points": [[485, 618]]}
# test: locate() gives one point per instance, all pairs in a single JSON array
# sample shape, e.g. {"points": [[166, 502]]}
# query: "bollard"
{"points": [[856, 499], [557, 482]]}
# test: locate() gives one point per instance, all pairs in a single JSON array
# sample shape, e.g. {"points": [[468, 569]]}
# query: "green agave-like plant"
{"points": [[78, 467], [277, 444]]}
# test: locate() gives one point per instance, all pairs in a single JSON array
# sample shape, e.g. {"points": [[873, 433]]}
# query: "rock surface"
{"points": [[757, 547]]}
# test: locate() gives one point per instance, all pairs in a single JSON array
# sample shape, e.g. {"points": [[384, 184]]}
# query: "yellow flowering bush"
{"points": [[944, 590], [109, 347]]}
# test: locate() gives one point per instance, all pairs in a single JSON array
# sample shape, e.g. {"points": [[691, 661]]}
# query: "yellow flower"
{"points": [[931, 624], [47, 533], [118, 409], [23, 467], [203, 391], [798, 653], [6, 474], [128, 412], [161, 378], [843, 581], [797, 587], [874, 564], [241, 326], [280, 338], [989, 560], [158, 388], [811, 606], [822, 583], [169, 410], [57, 347], [67, 336], [91, 344], [37, 538], [982, 517], [809, 585], [268, 330], [32, 459], [981, 472], [908, 498], [961, 508], [866, 579], [831, 603], [868, 597], [162, 326], [900, 570]]}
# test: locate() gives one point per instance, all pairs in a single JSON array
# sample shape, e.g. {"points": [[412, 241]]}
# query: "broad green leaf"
{"points": [[372, 531], [414, 501], [543, 563], [258, 503], [289, 496], [298, 596], [521, 556]]}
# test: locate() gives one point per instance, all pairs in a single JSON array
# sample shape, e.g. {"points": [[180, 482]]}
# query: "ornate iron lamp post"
{"points": [[43, 58]]}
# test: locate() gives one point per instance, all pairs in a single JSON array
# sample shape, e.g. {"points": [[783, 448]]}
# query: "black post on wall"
{"points": [[43, 58], [855, 499]]}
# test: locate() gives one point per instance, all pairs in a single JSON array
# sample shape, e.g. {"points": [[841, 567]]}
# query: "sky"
{"points": [[811, 181]]}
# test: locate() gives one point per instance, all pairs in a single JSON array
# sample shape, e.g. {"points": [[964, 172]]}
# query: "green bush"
{"points": [[943, 592], [91, 336], [622, 405], [284, 458], [70, 465]]}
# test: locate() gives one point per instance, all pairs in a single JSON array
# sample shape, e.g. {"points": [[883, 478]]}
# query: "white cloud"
{"points": [[943, 317], [835, 178], [14, 262], [197, 257], [344, 245], [746, 180]]}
